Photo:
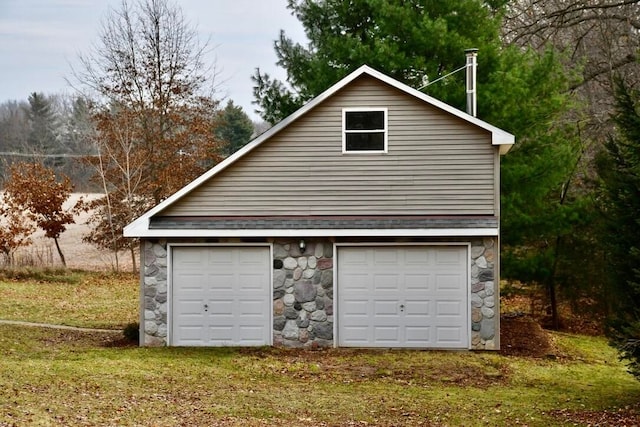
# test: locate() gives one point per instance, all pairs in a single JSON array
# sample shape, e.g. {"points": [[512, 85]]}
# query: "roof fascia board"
{"points": [[343, 232]]}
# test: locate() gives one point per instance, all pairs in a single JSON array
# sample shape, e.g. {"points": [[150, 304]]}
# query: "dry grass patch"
{"points": [[82, 299], [60, 377], [72, 378]]}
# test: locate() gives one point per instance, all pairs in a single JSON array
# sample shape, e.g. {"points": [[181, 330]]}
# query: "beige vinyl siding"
{"points": [[436, 164]]}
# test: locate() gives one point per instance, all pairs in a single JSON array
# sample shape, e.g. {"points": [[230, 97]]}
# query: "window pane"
{"points": [[365, 141], [364, 120]]}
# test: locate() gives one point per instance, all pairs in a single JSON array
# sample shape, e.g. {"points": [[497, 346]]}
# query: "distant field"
{"points": [[79, 255]]}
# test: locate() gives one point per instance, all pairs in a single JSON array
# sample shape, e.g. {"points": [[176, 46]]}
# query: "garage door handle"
{"points": [[206, 307], [401, 307]]}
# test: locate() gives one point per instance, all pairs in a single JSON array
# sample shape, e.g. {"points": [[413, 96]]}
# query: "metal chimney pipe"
{"points": [[472, 64]]}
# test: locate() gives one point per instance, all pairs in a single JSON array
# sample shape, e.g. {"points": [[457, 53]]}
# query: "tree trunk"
{"points": [[117, 260], [555, 319], [133, 260], [551, 286], [64, 262]]}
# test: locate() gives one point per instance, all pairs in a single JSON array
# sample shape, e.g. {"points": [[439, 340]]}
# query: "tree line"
{"points": [[561, 75]]}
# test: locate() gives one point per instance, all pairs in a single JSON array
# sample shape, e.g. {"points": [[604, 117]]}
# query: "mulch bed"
{"points": [[520, 335]]}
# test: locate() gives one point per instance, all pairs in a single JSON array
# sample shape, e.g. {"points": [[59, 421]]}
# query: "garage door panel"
{"points": [[250, 282], [449, 308], [449, 282], [355, 258], [251, 333], [386, 308], [359, 282], [190, 308], [192, 288], [192, 334], [358, 335], [414, 281], [382, 256], [418, 336], [233, 283], [251, 308], [191, 281], [386, 282], [218, 280], [221, 335], [220, 307], [188, 256], [222, 258], [448, 256], [356, 307], [417, 308], [451, 335], [389, 335], [417, 258], [410, 292]]}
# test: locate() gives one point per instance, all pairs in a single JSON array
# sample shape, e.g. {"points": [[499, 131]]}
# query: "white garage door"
{"points": [[403, 296], [220, 296]]}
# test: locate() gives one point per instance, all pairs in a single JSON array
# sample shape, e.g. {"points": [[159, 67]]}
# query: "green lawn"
{"points": [[92, 300], [56, 377]]}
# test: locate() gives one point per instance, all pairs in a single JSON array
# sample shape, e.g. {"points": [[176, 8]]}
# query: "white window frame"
{"points": [[383, 131]]}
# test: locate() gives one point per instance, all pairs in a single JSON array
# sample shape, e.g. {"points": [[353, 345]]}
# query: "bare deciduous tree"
{"points": [[156, 114], [600, 38]]}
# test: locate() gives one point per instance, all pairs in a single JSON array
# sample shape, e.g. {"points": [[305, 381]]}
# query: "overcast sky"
{"points": [[39, 39]]}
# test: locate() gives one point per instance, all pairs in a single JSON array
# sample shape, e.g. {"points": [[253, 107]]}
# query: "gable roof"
{"points": [[498, 138]]}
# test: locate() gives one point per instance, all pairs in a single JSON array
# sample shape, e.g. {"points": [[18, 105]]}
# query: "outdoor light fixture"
{"points": [[302, 245]]}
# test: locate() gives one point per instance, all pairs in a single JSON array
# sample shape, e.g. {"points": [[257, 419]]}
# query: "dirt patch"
{"points": [[520, 335], [392, 366], [72, 338], [83, 339], [622, 417]]}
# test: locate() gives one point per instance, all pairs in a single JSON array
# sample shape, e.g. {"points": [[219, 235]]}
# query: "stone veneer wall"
{"points": [[153, 323], [303, 294], [485, 313]]}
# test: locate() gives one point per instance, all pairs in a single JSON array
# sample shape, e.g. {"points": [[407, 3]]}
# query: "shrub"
{"points": [[132, 332]]}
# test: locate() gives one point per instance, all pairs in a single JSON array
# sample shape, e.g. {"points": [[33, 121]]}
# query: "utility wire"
{"points": [[443, 77], [64, 155]]}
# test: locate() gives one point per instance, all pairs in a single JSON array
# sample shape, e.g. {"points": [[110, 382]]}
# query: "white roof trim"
{"points": [[498, 137], [342, 232]]}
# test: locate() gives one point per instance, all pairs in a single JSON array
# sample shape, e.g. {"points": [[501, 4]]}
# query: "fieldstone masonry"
{"points": [[154, 321], [303, 294], [484, 295], [303, 291]]}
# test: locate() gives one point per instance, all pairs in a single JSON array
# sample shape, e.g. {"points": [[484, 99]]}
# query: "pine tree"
{"points": [[42, 139], [619, 170], [412, 41], [235, 129]]}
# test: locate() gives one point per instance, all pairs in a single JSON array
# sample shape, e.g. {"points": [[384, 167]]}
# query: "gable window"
{"points": [[364, 130]]}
